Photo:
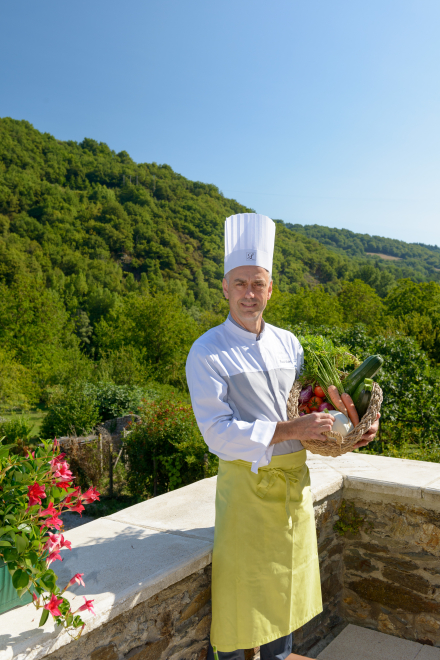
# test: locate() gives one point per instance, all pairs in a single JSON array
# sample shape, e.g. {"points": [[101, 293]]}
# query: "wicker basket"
{"points": [[333, 444]]}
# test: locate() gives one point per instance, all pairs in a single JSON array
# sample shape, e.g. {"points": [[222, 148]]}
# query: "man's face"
{"points": [[248, 288]]}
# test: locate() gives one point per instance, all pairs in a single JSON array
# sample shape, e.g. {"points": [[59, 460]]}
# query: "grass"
{"points": [[415, 452], [34, 417]]}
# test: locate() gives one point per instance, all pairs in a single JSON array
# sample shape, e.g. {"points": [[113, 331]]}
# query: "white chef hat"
{"points": [[249, 241]]}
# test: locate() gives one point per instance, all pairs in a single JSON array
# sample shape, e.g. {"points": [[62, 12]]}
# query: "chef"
{"points": [[265, 570]]}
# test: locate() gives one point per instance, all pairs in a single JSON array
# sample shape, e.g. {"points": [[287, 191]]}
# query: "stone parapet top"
{"points": [[130, 556]]}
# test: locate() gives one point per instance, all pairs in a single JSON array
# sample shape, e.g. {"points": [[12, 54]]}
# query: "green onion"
{"points": [[324, 371]]}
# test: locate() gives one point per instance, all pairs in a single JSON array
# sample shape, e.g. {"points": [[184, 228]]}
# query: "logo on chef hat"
{"points": [[251, 256]]}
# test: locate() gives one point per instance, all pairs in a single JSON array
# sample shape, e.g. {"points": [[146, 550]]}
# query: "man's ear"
{"points": [[269, 290], [225, 288]]}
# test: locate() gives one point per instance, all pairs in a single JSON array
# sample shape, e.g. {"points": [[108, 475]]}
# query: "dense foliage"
{"points": [[166, 450], [110, 269], [414, 260], [84, 405]]}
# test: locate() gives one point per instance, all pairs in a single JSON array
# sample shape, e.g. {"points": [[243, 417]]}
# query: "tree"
{"points": [[159, 327], [360, 303], [315, 306], [416, 306], [16, 387]]}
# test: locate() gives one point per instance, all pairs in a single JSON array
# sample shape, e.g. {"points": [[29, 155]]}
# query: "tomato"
{"points": [[318, 391], [304, 408], [314, 402]]}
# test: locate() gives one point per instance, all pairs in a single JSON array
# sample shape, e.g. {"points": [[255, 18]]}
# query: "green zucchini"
{"points": [[361, 398], [368, 369]]}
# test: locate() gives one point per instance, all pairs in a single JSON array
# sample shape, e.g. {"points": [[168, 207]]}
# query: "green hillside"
{"points": [[414, 260], [109, 270], [93, 225]]}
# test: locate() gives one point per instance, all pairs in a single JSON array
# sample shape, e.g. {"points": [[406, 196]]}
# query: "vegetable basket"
{"points": [[334, 444]]}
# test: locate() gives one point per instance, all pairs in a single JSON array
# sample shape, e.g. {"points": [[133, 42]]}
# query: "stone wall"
{"points": [[147, 568], [391, 571], [174, 624], [317, 633]]}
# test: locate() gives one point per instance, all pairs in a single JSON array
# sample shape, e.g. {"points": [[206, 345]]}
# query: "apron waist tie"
{"points": [[272, 474]]}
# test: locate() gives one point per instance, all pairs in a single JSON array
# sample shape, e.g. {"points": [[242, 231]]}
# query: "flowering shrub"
{"points": [[34, 490], [166, 449]]}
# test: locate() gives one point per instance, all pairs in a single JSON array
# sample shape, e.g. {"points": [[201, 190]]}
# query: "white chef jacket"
{"points": [[239, 385]]}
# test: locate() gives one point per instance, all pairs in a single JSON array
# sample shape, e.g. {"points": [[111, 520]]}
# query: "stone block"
{"points": [[354, 561], [409, 580], [149, 651], [428, 653], [356, 608], [356, 643], [426, 624], [105, 653], [393, 596], [203, 628], [199, 601], [176, 511], [396, 562]]}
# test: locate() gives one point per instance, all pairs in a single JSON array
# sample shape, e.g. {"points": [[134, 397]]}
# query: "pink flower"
{"points": [[53, 604], [56, 542], [30, 454], [64, 543], [64, 485], [54, 521], [56, 461], [50, 511], [35, 493], [62, 471], [90, 496], [87, 606], [76, 578], [52, 542], [53, 556], [76, 507]]}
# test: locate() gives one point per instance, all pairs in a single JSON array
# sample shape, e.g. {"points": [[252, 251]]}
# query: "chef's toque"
{"points": [[249, 241]]}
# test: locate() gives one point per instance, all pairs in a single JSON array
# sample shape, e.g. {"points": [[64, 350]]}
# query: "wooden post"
{"points": [[110, 468], [100, 451]]}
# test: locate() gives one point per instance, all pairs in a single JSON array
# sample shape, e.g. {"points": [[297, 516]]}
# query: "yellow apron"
{"points": [[265, 569]]}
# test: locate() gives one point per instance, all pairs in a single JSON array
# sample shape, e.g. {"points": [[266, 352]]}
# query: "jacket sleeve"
{"points": [[223, 433]]}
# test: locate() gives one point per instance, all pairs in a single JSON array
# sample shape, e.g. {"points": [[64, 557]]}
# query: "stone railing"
{"points": [[148, 567]]}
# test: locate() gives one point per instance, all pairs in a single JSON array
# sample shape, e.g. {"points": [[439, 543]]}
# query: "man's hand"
{"points": [[307, 427], [369, 435]]}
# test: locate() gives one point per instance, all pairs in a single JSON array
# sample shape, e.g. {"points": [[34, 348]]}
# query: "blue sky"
{"points": [[310, 111]]}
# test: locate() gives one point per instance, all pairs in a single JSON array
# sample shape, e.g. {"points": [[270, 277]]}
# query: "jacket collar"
{"points": [[242, 332]]}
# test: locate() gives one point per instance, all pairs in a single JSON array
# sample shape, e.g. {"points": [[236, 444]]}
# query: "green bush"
{"points": [[80, 408], [75, 413], [18, 427], [166, 450], [115, 400]]}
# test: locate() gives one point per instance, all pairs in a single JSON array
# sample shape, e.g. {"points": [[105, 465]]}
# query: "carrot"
{"points": [[352, 412], [336, 399]]}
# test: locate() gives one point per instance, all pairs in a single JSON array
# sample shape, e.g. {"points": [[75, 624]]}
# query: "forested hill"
{"points": [[109, 270], [93, 225], [424, 259]]}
